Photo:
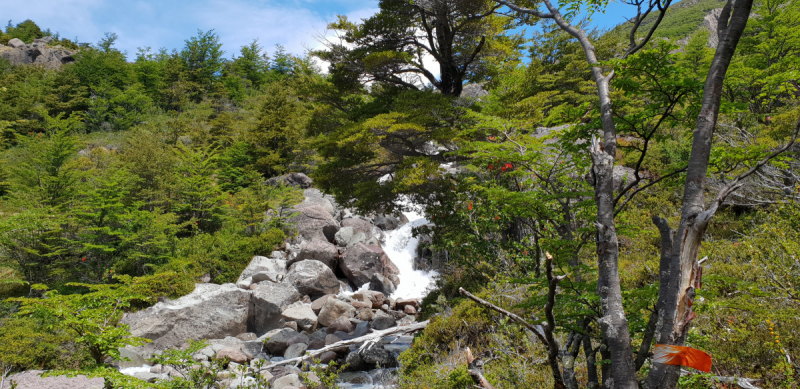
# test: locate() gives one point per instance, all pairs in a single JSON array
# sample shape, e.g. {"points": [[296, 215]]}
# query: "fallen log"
{"points": [[368, 340], [744, 383]]}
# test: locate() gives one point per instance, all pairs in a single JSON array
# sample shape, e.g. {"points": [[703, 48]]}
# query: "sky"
{"points": [[298, 25]]}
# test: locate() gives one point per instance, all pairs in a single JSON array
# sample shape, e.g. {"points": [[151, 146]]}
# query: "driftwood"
{"points": [[475, 368], [6, 372], [368, 340], [744, 383]]}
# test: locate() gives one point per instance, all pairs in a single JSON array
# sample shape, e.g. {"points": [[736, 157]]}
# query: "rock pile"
{"points": [[293, 301], [37, 53]]}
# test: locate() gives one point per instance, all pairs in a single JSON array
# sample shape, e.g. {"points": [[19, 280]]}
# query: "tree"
{"points": [[460, 35], [679, 269], [202, 56]]}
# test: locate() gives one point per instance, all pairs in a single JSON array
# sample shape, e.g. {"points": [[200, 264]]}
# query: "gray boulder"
{"points": [[334, 309], [389, 222], [262, 269], [313, 278], [295, 350], [48, 57], [302, 314], [16, 43], [347, 237], [295, 180], [268, 302], [360, 262], [314, 222], [377, 356], [287, 381], [316, 197], [383, 321], [318, 250], [210, 312], [32, 379], [277, 341]]}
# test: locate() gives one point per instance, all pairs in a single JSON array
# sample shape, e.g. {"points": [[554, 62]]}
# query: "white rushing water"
{"points": [[401, 247]]}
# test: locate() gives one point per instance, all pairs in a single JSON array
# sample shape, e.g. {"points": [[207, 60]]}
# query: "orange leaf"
{"points": [[683, 356]]}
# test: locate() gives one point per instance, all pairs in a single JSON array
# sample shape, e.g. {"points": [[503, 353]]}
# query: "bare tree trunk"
{"points": [[680, 271]]}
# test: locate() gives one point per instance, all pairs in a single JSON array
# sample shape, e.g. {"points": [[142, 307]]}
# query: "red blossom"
{"points": [[83, 259]]}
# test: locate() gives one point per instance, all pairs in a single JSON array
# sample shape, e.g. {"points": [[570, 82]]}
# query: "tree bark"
{"points": [[680, 271]]}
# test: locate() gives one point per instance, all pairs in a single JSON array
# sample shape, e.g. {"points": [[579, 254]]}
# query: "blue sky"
{"points": [[295, 24]]}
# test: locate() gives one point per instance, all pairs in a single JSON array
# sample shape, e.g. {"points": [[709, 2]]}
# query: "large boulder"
{"points": [[295, 180], [262, 269], [318, 250], [334, 309], [302, 314], [37, 54], [211, 311], [389, 222], [16, 43], [348, 237], [360, 262], [32, 379], [314, 222], [360, 225], [316, 197], [268, 302], [313, 278]]}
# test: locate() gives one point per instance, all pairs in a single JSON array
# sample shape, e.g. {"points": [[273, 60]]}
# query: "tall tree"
{"points": [[392, 46]]}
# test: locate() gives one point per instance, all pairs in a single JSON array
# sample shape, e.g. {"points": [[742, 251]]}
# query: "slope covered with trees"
{"points": [[553, 193]]}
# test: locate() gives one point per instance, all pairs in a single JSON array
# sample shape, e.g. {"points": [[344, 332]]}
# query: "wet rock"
{"points": [[382, 284], [377, 356]]}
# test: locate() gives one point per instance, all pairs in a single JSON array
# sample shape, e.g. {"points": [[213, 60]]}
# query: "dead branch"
{"points": [[366, 339], [744, 383], [475, 368]]}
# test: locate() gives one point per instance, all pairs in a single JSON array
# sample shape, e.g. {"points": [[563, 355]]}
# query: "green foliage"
{"points": [[34, 343], [91, 317], [26, 31]]}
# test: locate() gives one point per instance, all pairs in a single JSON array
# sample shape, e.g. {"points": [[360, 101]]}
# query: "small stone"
{"points": [[331, 339], [296, 350], [287, 381], [410, 310], [234, 355], [365, 314], [247, 336], [383, 321], [341, 324], [327, 357], [317, 304], [291, 324]]}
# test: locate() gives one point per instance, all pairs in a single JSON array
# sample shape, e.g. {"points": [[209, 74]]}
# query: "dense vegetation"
{"points": [[124, 181]]}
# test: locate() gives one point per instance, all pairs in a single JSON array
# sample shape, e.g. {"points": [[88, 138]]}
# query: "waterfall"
{"points": [[401, 247]]}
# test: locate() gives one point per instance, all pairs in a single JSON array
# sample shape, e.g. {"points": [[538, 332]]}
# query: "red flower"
{"points": [[497, 218], [525, 252], [509, 166], [491, 167], [469, 206], [83, 259], [503, 168]]}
